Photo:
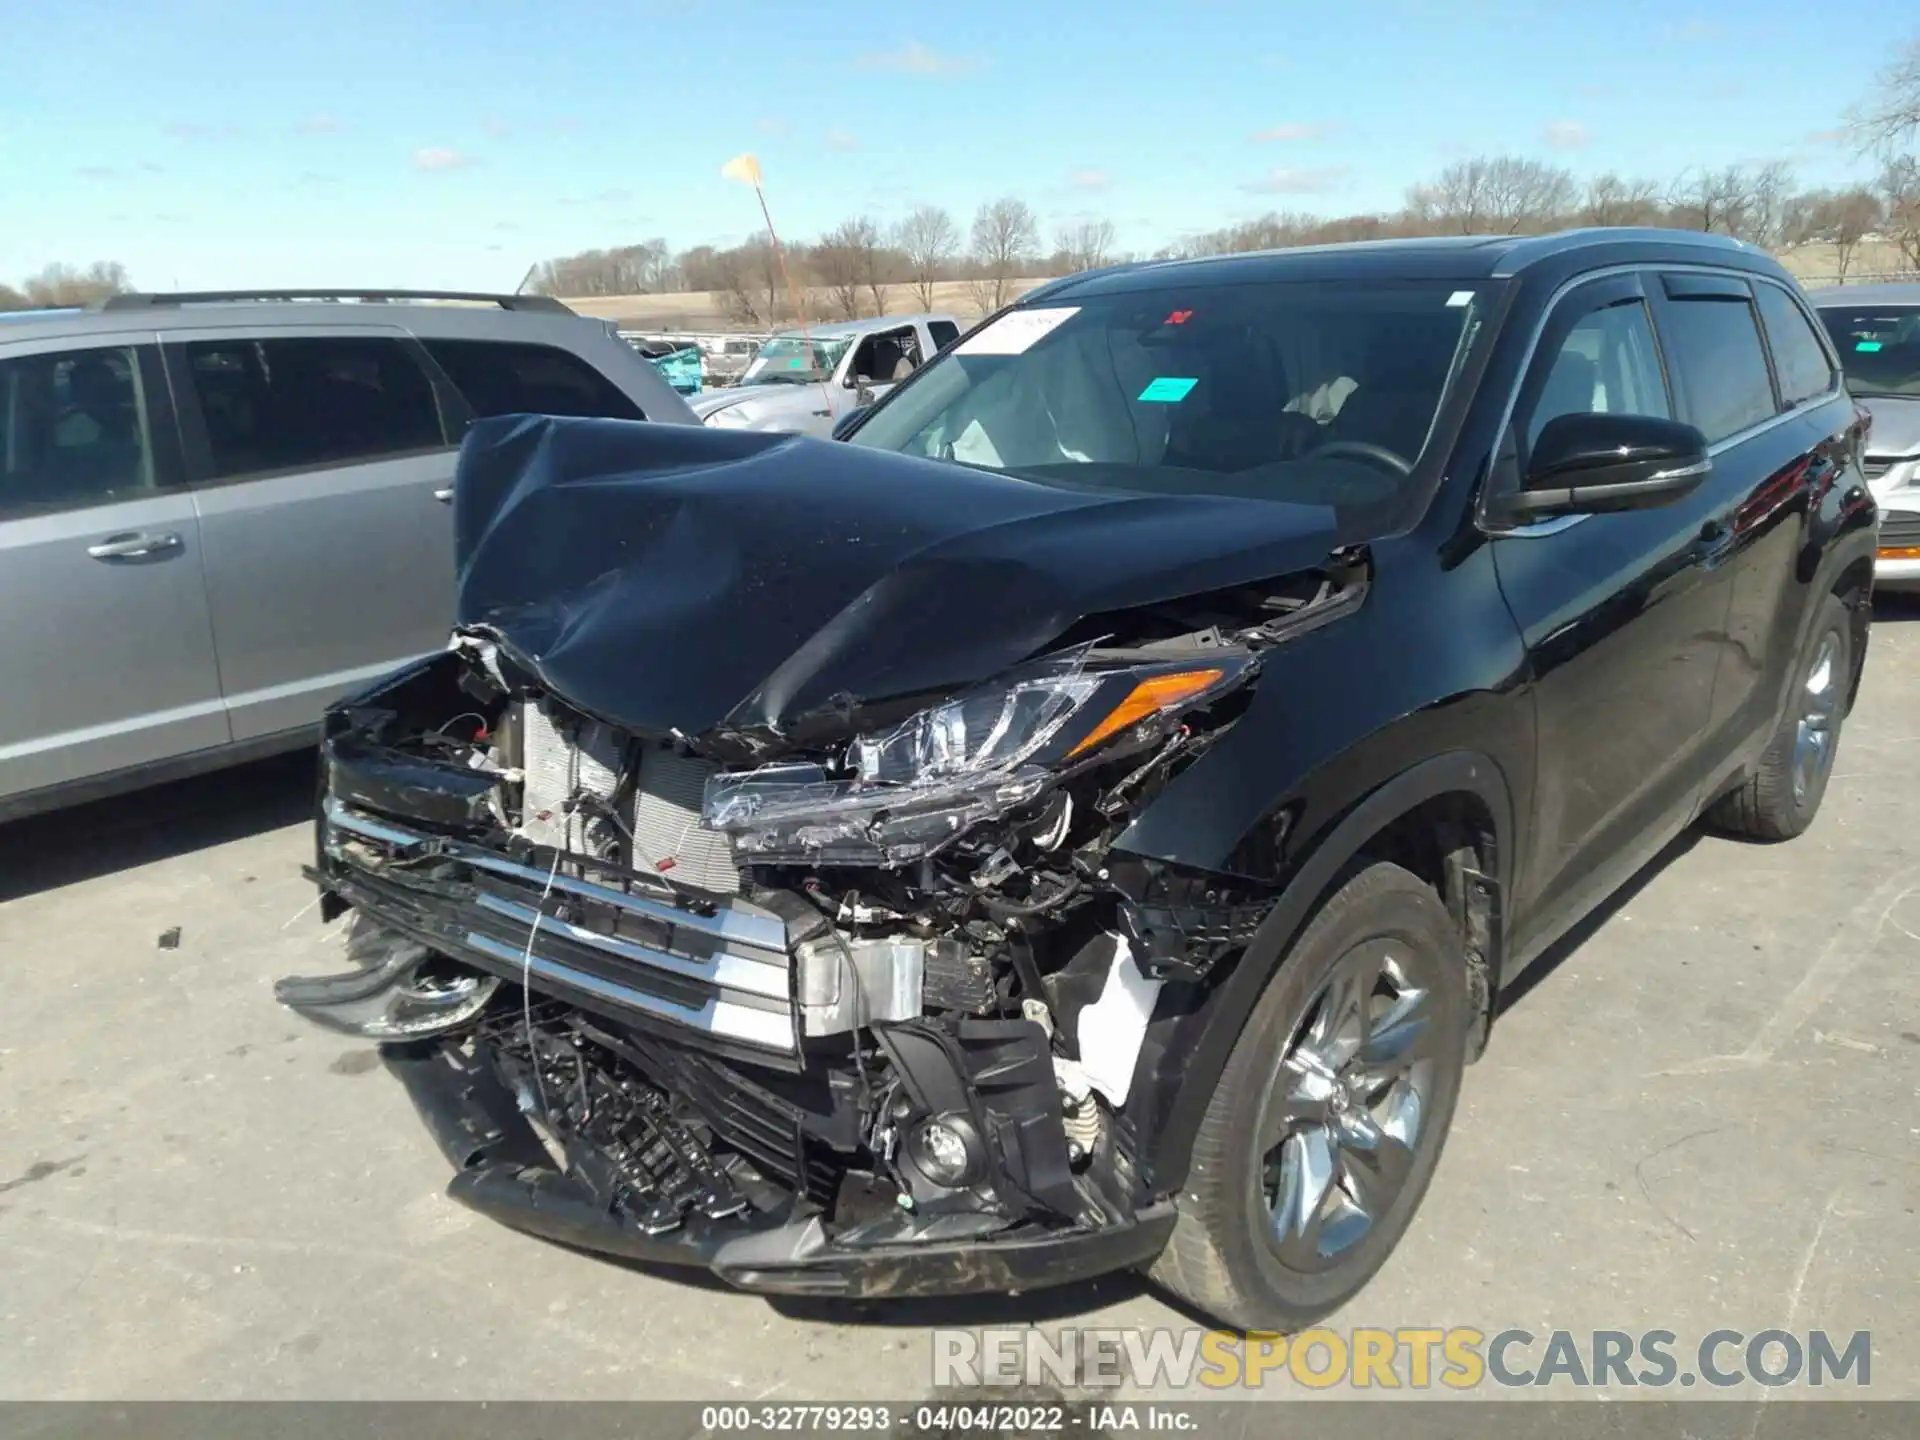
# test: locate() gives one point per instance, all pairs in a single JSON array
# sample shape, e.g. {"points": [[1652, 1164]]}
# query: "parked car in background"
{"points": [[680, 361], [876, 875], [806, 380], [1877, 330], [218, 512]]}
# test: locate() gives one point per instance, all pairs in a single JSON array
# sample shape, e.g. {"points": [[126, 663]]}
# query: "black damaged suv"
{"points": [[1088, 818]]}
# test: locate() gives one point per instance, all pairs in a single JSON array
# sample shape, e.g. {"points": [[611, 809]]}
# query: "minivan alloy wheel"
{"points": [[1348, 1104]]}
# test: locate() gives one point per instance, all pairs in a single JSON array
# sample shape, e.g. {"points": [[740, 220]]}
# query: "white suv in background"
{"points": [[1876, 328]]}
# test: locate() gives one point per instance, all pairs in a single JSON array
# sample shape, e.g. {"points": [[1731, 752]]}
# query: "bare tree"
{"points": [[1610, 200], [1889, 119], [1004, 239], [71, 285], [836, 265], [12, 299], [928, 238], [1850, 217], [1504, 194], [1717, 201], [1771, 205], [1899, 193], [1085, 246]]}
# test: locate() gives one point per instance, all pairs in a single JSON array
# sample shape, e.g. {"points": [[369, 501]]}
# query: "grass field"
{"points": [[706, 310]]}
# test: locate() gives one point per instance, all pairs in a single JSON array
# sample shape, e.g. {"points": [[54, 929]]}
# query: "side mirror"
{"points": [[1591, 464], [844, 426]]}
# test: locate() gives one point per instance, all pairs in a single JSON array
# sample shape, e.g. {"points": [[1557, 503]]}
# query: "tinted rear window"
{"points": [[1799, 359], [503, 378], [1713, 348], [299, 404]]}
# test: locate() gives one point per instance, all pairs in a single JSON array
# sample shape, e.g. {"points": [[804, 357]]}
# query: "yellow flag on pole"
{"points": [[742, 167]]}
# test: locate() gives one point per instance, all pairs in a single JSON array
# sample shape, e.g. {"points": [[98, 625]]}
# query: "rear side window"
{"points": [[1800, 361], [1713, 348], [73, 431], [943, 333], [271, 405], [503, 378]]}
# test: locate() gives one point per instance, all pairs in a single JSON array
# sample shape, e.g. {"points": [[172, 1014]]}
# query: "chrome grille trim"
{"points": [[730, 921], [724, 971], [766, 1028]]}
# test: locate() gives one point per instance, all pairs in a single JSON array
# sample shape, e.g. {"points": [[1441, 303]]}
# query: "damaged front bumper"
{"points": [[503, 1171]]}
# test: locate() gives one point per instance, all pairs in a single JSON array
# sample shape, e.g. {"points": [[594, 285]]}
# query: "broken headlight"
{"points": [[904, 793]]}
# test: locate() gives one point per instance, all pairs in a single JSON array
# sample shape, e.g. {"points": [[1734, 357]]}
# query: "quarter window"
{"points": [[505, 378], [1608, 364], [943, 333], [1800, 361], [273, 405], [1713, 346], [73, 431]]}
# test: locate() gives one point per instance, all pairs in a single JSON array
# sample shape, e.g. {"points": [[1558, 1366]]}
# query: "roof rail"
{"points": [[545, 304]]}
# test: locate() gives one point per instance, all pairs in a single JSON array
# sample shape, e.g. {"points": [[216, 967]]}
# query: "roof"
{"points": [[1834, 297], [1438, 257], [847, 329], [477, 316]]}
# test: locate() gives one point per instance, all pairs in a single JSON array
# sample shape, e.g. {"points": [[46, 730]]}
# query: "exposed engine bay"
{"points": [[784, 998]]}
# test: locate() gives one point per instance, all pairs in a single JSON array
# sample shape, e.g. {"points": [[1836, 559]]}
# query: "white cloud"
{"points": [[494, 128], [1298, 180], [917, 59], [1694, 29], [1566, 134], [200, 130], [1089, 179], [1289, 133], [773, 125], [436, 157], [842, 140], [318, 125]]}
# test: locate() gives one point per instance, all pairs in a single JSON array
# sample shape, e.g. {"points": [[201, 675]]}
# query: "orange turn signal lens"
{"points": [[1901, 552], [1149, 697]]}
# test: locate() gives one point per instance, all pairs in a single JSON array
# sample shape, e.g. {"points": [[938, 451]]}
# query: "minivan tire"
{"points": [[1226, 1256], [1771, 803]]}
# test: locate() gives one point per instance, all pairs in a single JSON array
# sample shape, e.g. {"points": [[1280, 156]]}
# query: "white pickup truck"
{"points": [[805, 380]]}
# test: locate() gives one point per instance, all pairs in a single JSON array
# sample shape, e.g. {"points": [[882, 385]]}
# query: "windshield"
{"points": [[1319, 392], [794, 360], [1879, 348]]}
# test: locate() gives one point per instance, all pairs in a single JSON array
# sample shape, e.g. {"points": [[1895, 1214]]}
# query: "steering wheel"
{"points": [[1365, 450]]}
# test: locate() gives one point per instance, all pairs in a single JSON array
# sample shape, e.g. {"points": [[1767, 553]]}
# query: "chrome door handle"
{"points": [[444, 494], [128, 547]]}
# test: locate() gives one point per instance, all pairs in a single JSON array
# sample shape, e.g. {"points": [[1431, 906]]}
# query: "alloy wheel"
{"points": [[1348, 1105], [1813, 735]]}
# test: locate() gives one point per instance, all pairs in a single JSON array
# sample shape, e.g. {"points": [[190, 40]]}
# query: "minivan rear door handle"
{"points": [[134, 545], [444, 494]]}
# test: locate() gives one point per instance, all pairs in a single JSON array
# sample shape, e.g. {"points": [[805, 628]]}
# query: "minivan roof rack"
{"points": [[545, 304]]}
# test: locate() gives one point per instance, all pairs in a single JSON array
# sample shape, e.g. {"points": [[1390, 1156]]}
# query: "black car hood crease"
{"points": [[668, 577]]}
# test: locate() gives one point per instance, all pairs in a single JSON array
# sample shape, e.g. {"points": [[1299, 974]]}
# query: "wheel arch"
{"points": [[1432, 814]]}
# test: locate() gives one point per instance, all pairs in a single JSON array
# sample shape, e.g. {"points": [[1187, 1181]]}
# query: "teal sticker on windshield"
{"points": [[797, 363], [1869, 346], [1167, 389]]}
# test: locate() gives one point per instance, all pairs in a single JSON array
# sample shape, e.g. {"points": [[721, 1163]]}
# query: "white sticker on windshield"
{"points": [[1459, 298], [1017, 331]]}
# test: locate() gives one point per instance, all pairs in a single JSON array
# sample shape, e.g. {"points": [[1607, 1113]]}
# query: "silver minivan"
{"points": [[218, 512]]}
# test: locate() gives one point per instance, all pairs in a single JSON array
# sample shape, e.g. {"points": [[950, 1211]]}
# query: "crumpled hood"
{"points": [[1896, 426], [761, 400], [676, 578]]}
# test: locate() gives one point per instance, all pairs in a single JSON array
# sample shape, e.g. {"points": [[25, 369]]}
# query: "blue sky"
{"points": [[452, 142]]}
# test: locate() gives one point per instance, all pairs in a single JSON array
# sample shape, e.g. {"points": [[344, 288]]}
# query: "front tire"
{"points": [[1779, 800], [1331, 1113]]}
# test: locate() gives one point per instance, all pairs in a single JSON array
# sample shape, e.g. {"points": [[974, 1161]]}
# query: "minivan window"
{"points": [[1713, 347], [1800, 361], [73, 430], [1318, 392], [1608, 364], [295, 404], [500, 377], [1879, 347]]}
